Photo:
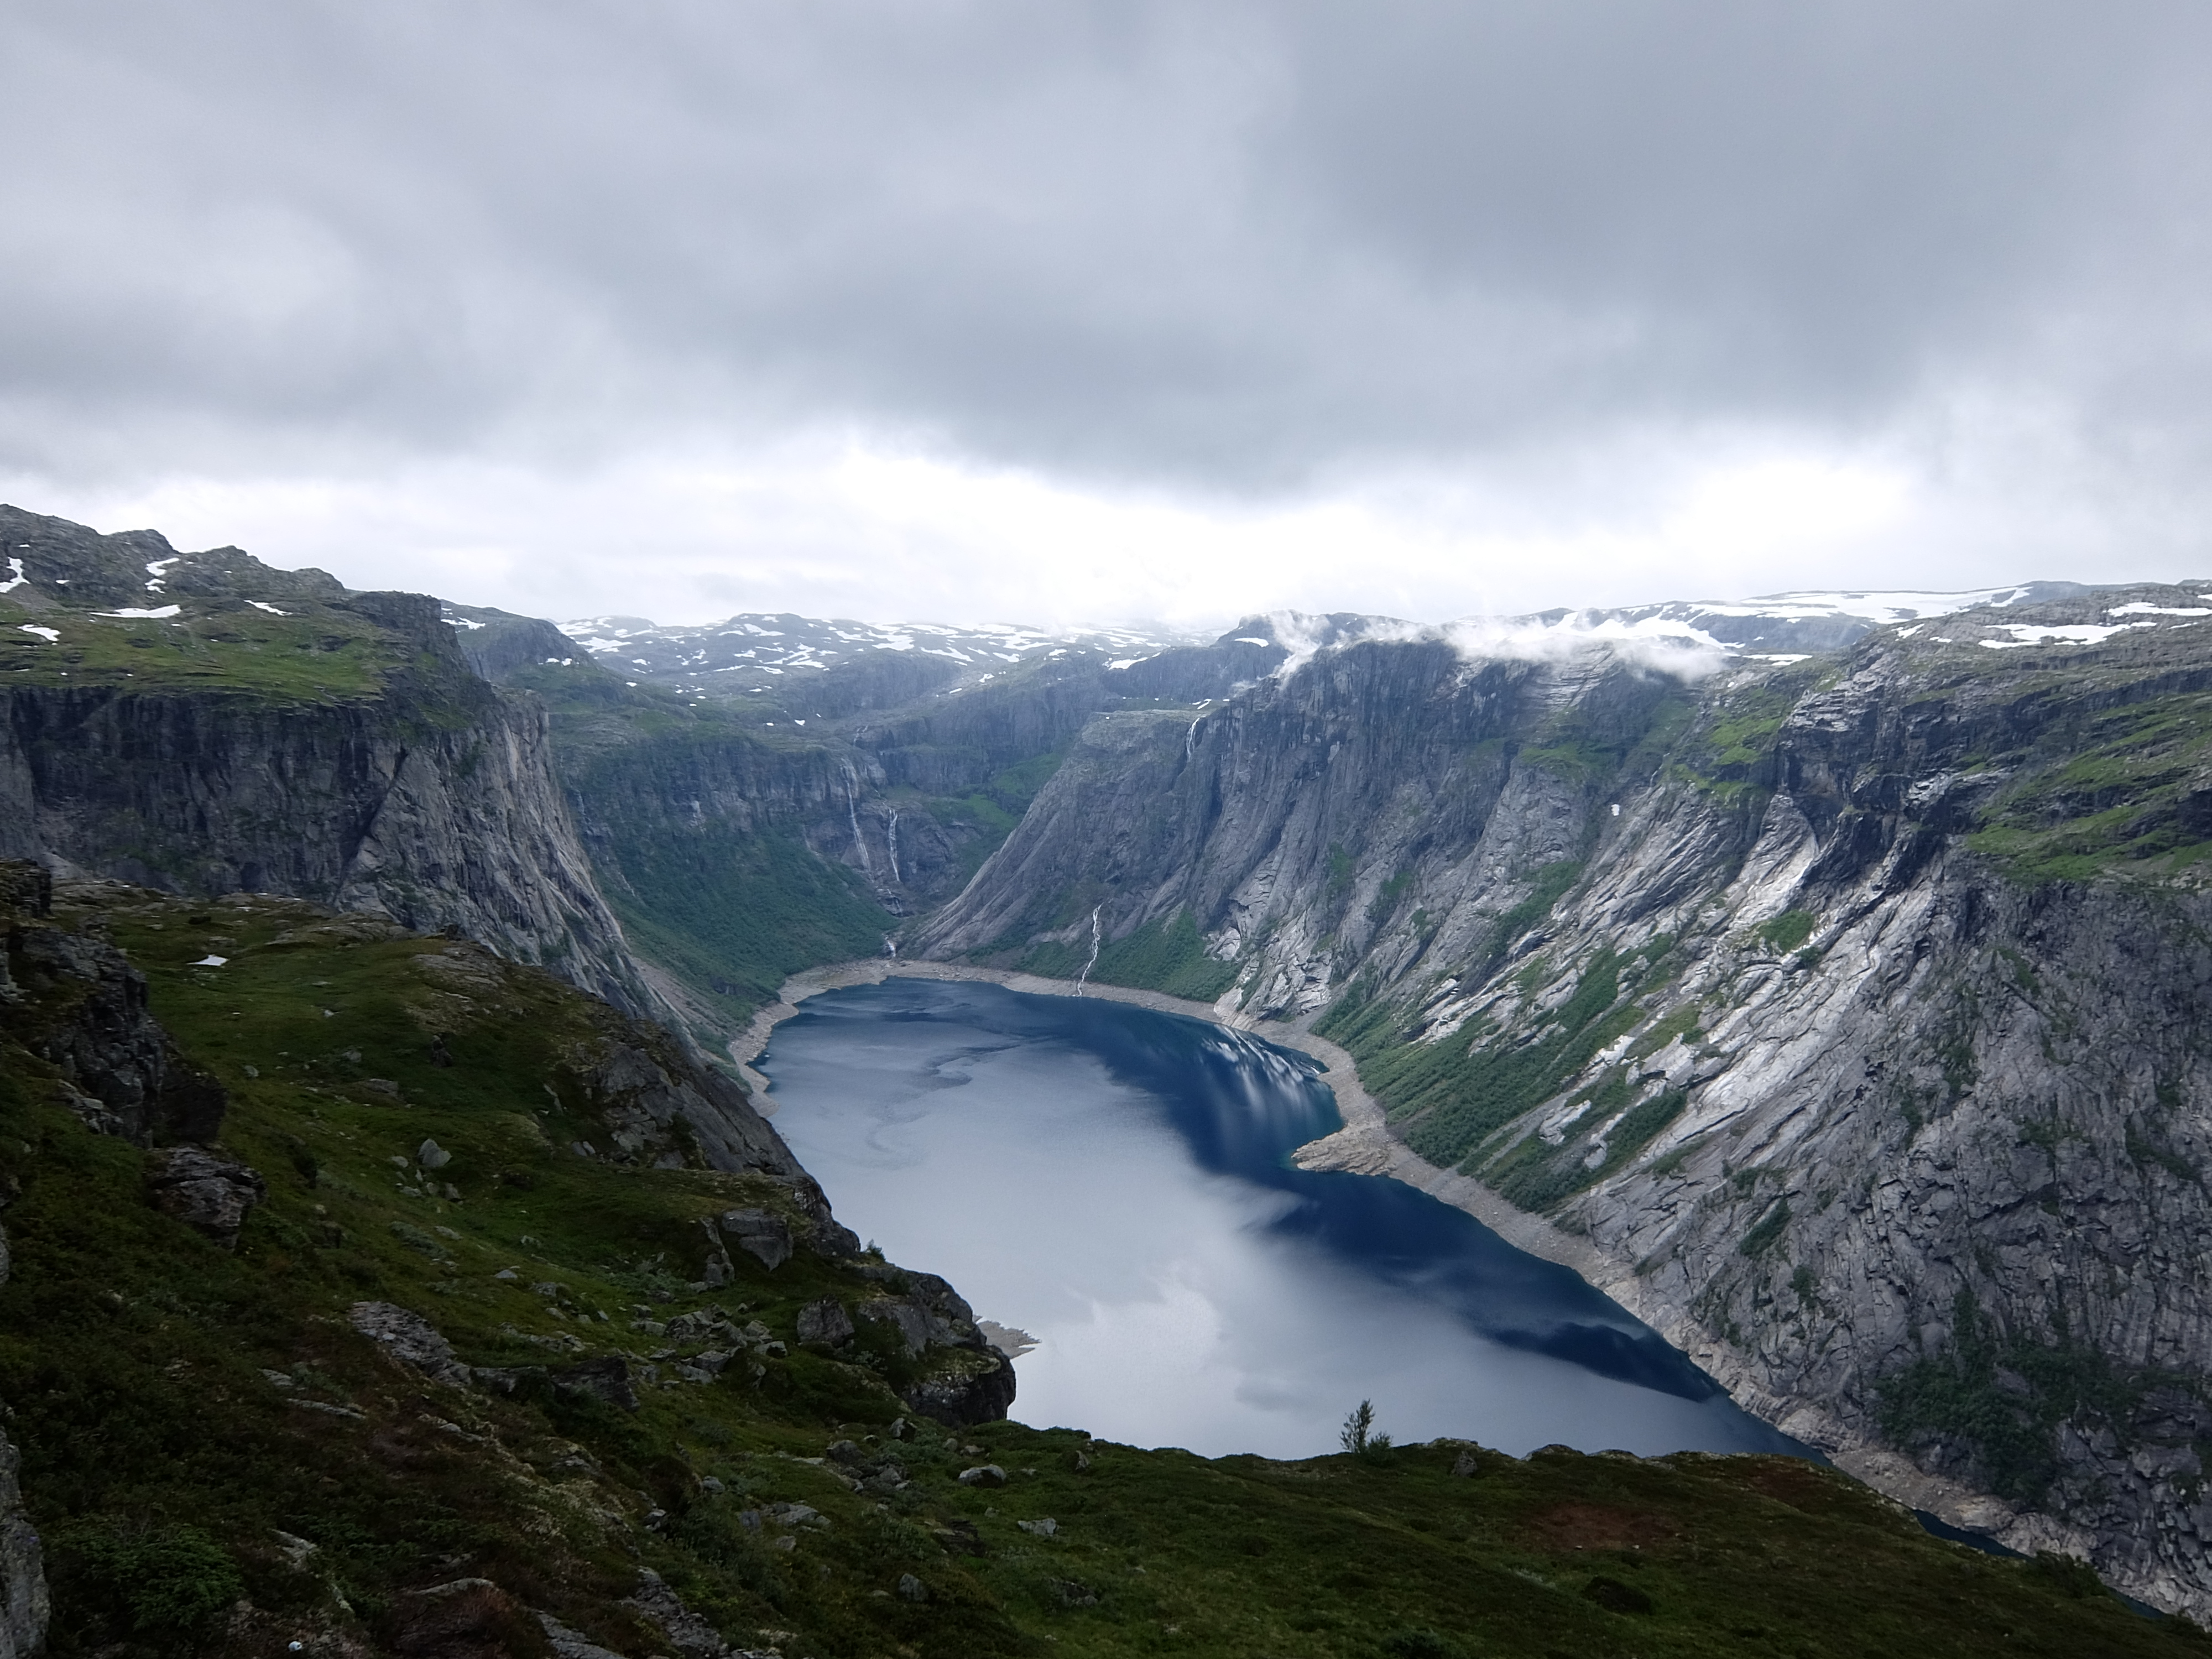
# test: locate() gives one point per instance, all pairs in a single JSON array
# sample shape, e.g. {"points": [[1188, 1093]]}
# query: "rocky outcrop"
{"points": [[410, 1339], [761, 1234], [24, 1605], [209, 1191], [660, 1108], [825, 1322], [499, 644], [73, 1000], [1839, 1018], [971, 1382]]}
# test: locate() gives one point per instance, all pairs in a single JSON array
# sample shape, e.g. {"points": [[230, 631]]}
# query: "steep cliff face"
{"points": [[742, 840], [1851, 1010], [203, 724]]}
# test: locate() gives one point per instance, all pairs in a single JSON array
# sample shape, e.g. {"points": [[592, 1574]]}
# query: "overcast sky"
{"points": [[975, 309]]}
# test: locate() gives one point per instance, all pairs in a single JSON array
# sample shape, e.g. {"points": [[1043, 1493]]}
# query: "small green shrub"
{"points": [[165, 1582], [1785, 932]]}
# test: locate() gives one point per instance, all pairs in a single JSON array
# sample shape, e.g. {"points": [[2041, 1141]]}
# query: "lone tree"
{"points": [[1358, 1431]]}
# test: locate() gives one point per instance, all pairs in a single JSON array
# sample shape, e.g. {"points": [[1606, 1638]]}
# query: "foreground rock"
{"points": [[209, 1191], [24, 1606]]}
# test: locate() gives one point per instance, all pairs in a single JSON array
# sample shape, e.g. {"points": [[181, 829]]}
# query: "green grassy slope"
{"points": [[221, 1463], [327, 655]]}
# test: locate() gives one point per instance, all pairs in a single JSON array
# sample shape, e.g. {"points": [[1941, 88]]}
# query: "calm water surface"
{"points": [[1116, 1181]]}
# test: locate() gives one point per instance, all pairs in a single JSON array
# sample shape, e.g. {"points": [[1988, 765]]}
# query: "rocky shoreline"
{"points": [[1365, 1146]]}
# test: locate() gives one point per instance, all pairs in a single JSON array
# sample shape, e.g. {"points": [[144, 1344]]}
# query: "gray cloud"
{"points": [[1237, 247]]}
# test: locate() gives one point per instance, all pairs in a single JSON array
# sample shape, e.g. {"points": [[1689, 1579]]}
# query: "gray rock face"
{"points": [[433, 802], [208, 1190], [762, 1234], [569, 1643], [686, 1632], [499, 644], [655, 1100], [410, 1339], [72, 1000], [825, 1322], [24, 1604], [1843, 1017]]}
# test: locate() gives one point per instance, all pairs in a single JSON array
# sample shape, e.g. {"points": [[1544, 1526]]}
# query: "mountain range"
{"points": [[1822, 975]]}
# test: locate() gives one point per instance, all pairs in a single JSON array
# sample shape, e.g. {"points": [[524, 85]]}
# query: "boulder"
{"points": [[825, 1320], [761, 1234], [409, 1339], [206, 1190], [604, 1379], [971, 1385]]}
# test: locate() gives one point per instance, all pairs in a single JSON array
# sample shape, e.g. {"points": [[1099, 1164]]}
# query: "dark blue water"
{"points": [[1117, 1182]]}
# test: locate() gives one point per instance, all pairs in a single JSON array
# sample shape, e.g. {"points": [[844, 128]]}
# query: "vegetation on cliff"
{"points": [[226, 1454]]}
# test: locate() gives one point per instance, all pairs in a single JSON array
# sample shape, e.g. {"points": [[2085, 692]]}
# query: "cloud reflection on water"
{"points": [[1113, 1180]]}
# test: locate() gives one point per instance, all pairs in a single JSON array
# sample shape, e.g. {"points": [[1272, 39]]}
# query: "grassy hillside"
{"points": [[328, 657], [220, 1462]]}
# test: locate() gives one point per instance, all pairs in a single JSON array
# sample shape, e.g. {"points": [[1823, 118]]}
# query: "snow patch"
{"points": [[134, 615], [259, 606], [2142, 608], [16, 577], [2027, 634], [51, 635]]}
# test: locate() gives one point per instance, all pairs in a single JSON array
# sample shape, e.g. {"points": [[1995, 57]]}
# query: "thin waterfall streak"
{"points": [[892, 840], [1190, 739], [853, 810], [1093, 962]]}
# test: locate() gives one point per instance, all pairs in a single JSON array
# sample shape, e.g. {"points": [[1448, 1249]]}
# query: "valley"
{"points": [[1822, 978]]}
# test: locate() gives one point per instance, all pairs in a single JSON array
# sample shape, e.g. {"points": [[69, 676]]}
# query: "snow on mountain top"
{"points": [[1683, 637], [751, 652]]}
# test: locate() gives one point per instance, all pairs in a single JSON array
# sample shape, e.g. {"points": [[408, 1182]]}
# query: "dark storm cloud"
{"points": [[1223, 244]]}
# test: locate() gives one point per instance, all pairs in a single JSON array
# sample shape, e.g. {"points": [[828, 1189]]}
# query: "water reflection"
{"points": [[1116, 1181]]}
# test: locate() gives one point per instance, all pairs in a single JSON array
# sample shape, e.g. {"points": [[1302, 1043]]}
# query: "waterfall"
{"points": [[892, 840], [853, 810], [1190, 739], [1093, 962]]}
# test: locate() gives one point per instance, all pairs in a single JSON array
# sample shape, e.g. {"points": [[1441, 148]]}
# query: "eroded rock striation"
{"points": [[1843, 1016], [202, 724]]}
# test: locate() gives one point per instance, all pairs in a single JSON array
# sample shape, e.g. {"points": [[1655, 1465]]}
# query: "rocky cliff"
{"points": [[203, 724], [1843, 1014], [535, 1345], [741, 839]]}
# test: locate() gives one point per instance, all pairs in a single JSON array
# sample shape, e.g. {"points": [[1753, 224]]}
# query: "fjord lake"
{"points": [[1117, 1182]]}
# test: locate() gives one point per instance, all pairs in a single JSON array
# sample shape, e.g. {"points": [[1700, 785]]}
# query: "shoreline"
{"points": [[1364, 1145]]}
